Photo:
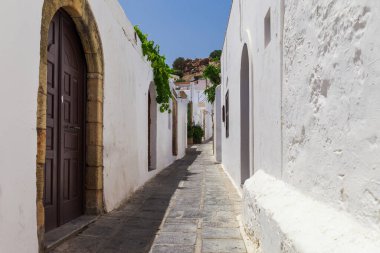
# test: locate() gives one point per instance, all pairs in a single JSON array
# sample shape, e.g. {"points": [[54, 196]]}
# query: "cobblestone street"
{"points": [[189, 207]]}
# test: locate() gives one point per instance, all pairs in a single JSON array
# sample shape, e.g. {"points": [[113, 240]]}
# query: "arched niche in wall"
{"points": [[245, 118]]}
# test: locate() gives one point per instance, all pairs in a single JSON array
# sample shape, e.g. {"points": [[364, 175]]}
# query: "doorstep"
{"points": [[57, 236]]}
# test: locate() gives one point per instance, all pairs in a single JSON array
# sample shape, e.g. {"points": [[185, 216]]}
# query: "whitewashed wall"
{"points": [[218, 125], [314, 126], [19, 61], [332, 104], [246, 26], [208, 127], [165, 134], [182, 127], [126, 81]]}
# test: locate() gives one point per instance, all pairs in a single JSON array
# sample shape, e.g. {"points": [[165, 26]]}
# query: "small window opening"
{"points": [[267, 28]]}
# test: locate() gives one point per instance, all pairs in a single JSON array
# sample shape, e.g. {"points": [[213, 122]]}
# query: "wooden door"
{"points": [[65, 124], [175, 127], [149, 132]]}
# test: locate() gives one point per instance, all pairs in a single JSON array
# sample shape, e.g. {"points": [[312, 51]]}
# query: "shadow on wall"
{"points": [[133, 227]]}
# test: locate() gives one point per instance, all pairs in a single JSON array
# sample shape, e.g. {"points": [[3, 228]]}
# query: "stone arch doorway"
{"points": [[152, 128], [79, 14], [244, 116]]}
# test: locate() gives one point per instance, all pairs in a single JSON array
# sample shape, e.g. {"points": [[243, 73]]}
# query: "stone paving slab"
{"points": [[223, 246], [190, 207], [173, 249], [212, 204], [221, 233]]}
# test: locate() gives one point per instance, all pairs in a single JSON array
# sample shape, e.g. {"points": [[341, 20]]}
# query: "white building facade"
{"points": [[202, 110], [300, 109], [116, 81]]}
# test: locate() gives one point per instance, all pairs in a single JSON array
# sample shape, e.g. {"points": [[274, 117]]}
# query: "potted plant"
{"points": [[198, 134]]}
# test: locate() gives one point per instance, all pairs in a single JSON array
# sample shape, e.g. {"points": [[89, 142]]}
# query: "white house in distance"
{"points": [[301, 122], [202, 111], [77, 99]]}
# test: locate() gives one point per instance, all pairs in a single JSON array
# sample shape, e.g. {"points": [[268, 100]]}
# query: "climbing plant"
{"points": [[212, 73], [161, 70]]}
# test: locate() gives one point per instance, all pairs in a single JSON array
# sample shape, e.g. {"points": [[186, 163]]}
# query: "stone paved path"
{"points": [[189, 207]]}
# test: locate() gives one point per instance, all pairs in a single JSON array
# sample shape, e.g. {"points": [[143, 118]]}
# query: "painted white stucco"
{"points": [[218, 124], [18, 108], [264, 104], [314, 122], [127, 77], [203, 111], [331, 105]]}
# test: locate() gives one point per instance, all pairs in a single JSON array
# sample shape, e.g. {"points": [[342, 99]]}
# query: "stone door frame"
{"points": [[80, 12]]}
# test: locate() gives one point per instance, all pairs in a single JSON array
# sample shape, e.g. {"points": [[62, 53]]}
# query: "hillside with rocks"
{"points": [[190, 69]]}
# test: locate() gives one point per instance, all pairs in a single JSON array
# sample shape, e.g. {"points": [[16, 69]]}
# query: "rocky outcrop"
{"points": [[193, 69]]}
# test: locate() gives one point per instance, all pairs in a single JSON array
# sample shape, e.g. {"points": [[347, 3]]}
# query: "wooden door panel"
{"points": [[175, 127], [72, 123], [64, 168], [52, 119]]}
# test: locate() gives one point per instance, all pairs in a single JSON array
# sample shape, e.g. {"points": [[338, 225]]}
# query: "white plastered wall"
{"points": [[218, 124], [126, 81], [209, 111], [246, 26], [331, 104], [315, 122], [165, 135], [20, 29]]}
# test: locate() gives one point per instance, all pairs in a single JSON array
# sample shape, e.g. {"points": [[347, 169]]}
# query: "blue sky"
{"points": [[187, 28]]}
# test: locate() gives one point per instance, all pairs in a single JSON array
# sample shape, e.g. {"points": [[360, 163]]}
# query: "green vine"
{"points": [[161, 70], [212, 73]]}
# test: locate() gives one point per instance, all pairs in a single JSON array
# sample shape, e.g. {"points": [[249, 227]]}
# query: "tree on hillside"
{"points": [[179, 64], [216, 54]]}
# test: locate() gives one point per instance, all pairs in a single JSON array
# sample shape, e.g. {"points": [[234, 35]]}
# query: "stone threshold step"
{"points": [[59, 235]]}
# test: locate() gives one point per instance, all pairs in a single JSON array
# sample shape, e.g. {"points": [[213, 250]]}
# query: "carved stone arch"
{"points": [[86, 26]]}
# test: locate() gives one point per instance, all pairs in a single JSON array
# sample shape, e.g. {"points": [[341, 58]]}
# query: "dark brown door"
{"points": [[175, 127], [65, 124], [149, 132]]}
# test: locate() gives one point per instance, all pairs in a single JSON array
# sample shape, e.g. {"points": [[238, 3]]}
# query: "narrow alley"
{"points": [[196, 126], [191, 206]]}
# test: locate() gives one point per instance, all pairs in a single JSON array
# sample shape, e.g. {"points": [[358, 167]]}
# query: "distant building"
{"points": [[201, 110]]}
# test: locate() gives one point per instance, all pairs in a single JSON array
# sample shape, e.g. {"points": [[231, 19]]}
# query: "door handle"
{"points": [[72, 127]]}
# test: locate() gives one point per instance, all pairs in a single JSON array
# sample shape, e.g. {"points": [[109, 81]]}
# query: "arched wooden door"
{"points": [[65, 140]]}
